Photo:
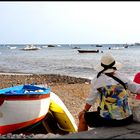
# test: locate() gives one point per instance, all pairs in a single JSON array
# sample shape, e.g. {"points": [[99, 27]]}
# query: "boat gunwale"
{"points": [[25, 97]]}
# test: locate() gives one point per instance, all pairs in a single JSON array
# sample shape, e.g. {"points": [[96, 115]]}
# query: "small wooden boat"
{"points": [[88, 51], [58, 120], [21, 106], [29, 108]]}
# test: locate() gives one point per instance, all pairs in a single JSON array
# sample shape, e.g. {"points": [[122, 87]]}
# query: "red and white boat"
{"points": [[21, 106]]}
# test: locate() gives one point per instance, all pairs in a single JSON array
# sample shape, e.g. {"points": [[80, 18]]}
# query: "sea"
{"points": [[64, 59]]}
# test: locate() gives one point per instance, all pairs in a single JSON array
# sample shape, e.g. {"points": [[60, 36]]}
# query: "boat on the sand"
{"points": [[23, 107]]}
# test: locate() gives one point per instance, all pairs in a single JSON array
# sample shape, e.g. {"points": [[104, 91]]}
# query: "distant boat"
{"points": [[51, 46], [126, 46], [116, 48], [31, 47], [12, 47], [76, 47], [99, 45], [88, 51], [59, 45], [137, 44]]}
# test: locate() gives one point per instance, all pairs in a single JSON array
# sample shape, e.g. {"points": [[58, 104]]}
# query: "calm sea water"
{"points": [[65, 59]]}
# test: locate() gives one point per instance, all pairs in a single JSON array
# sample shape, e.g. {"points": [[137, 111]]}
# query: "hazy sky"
{"points": [[69, 22]]}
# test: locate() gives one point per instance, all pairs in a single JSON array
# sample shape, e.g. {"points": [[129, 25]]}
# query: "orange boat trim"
{"points": [[10, 128]]}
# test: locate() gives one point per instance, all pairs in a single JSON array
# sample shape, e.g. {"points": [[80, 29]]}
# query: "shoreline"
{"points": [[11, 79]]}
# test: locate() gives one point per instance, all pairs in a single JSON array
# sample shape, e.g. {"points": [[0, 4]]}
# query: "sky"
{"points": [[69, 22]]}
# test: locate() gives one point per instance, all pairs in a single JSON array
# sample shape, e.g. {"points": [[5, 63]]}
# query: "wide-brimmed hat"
{"points": [[108, 63]]}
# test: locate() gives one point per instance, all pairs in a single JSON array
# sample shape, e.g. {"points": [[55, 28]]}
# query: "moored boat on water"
{"points": [[99, 45], [88, 51], [31, 47]]}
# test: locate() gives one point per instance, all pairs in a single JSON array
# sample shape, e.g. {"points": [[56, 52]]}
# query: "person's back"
{"points": [[111, 87], [114, 97]]}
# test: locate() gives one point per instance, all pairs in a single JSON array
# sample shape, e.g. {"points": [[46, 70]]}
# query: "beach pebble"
{"points": [[49, 135], [30, 136]]}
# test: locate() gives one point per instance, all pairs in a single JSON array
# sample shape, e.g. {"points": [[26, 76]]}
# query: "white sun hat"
{"points": [[109, 62]]}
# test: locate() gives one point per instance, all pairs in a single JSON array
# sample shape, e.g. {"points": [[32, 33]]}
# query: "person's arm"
{"points": [[87, 107]]}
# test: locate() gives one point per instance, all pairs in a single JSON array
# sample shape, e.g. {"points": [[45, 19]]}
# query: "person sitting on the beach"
{"points": [[112, 89]]}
